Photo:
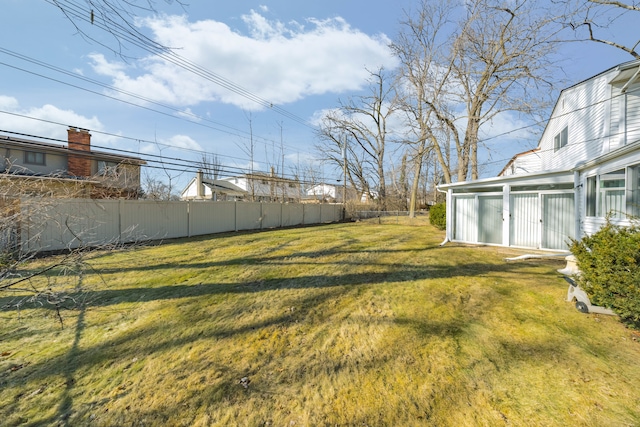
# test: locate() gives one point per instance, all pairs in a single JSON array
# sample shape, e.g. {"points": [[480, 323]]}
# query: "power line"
{"points": [[74, 10], [163, 162], [197, 118]]}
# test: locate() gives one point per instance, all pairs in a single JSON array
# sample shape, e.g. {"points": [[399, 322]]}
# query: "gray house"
{"points": [[41, 168], [586, 167]]}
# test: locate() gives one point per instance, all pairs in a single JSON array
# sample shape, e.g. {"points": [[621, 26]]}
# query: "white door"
{"points": [[465, 222], [490, 219], [524, 221], [558, 220]]}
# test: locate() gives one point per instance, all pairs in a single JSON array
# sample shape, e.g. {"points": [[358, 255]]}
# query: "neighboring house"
{"points": [[586, 167], [257, 187], [39, 168], [330, 193], [200, 188]]}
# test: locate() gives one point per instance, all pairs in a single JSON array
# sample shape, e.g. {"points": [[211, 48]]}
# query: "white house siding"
{"points": [[524, 163], [581, 109], [633, 114], [625, 115]]}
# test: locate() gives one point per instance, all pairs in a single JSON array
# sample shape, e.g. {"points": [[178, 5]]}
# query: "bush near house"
{"points": [[438, 215], [609, 261]]}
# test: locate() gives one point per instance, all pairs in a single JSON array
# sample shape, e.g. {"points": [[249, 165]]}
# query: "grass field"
{"points": [[361, 324]]}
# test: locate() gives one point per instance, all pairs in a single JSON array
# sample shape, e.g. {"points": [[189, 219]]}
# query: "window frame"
{"points": [[596, 193], [34, 160], [561, 139], [108, 168]]}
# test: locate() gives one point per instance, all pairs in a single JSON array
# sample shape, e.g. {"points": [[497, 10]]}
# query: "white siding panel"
{"points": [[633, 115], [525, 220], [581, 109], [490, 219], [617, 118], [466, 222]]}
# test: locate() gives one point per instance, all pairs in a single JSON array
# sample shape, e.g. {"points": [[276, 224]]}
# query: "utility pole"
{"points": [[344, 181]]}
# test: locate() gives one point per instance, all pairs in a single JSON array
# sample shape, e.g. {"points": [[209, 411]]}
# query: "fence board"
{"points": [[56, 224]]}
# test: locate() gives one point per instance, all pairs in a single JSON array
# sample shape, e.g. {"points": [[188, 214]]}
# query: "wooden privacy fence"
{"points": [[56, 224]]}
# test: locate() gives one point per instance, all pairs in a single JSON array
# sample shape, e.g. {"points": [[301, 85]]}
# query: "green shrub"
{"points": [[609, 261], [438, 215]]}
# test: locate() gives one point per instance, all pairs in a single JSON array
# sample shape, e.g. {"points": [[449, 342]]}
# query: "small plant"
{"points": [[438, 215], [609, 261]]}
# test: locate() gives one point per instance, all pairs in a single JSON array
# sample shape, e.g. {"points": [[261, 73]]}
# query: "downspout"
{"points": [[446, 234], [577, 189]]}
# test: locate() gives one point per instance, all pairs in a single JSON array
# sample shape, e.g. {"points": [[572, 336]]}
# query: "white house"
{"points": [[258, 187], [200, 188], [586, 166]]}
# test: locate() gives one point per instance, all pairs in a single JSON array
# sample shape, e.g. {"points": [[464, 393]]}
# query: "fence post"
{"points": [[120, 207], [188, 218]]}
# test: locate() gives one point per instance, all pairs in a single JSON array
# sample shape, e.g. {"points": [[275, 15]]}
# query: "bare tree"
{"points": [[364, 121], [29, 208], [465, 65], [591, 19]]}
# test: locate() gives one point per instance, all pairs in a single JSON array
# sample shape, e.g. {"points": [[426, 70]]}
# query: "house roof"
{"points": [[556, 176], [262, 176], [11, 141], [545, 177], [220, 186], [513, 159], [223, 187]]}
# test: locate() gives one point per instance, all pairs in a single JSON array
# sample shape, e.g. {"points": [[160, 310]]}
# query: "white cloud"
{"points": [[46, 121], [277, 62], [184, 142]]}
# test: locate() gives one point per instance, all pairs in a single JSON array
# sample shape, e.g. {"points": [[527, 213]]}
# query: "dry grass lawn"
{"points": [[361, 324]]}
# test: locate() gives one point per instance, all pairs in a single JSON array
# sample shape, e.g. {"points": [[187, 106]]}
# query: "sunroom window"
{"points": [[633, 199], [612, 198], [616, 193], [591, 195]]}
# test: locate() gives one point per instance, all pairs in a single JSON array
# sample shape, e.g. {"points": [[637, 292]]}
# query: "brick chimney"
{"points": [[79, 164]]}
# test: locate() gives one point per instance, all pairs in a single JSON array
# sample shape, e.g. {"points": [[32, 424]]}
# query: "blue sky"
{"points": [[301, 57]]}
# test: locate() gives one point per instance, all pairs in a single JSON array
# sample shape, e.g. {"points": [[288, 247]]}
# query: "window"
{"points": [[34, 158], [591, 196], [614, 193], [633, 198], [561, 139], [107, 168]]}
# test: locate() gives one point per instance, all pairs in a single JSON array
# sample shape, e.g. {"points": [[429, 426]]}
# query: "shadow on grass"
{"points": [[406, 273], [127, 346], [297, 258]]}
